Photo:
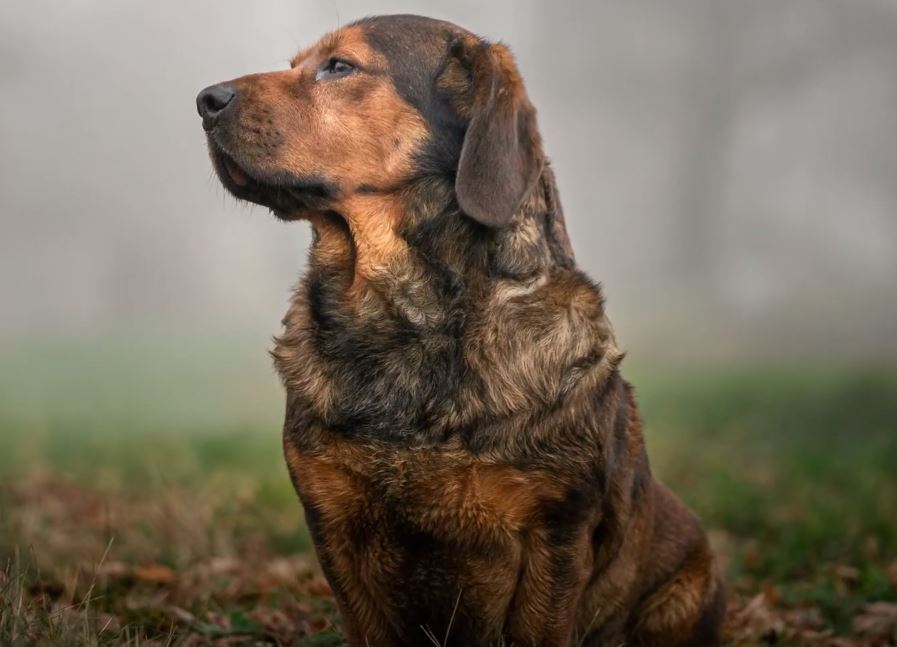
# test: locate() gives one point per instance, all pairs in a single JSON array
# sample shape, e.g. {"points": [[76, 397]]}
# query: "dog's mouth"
{"points": [[285, 194], [237, 175]]}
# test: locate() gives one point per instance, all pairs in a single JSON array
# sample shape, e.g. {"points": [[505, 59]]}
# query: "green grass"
{"points": [[798, 469], [794, 471]]}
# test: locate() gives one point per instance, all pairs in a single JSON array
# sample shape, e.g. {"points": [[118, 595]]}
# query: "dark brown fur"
{"points": [[470, 460]]}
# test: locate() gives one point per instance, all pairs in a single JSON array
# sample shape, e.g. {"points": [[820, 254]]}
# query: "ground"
{"points": [[145, 524]]}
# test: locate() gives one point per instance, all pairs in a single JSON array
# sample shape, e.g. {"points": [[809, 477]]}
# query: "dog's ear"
{"points": [[501, 156]]}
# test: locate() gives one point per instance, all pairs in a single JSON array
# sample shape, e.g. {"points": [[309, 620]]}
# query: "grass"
{"points": [[796, 473], [154, 521]]}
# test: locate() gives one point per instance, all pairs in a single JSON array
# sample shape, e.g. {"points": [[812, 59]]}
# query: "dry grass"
{"points": [[162, 568]]}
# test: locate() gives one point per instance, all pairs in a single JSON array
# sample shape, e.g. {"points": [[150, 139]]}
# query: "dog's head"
{"points": [[370, 109]]}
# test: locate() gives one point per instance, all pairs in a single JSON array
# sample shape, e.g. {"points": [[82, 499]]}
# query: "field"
{"points": [[144, 500]]}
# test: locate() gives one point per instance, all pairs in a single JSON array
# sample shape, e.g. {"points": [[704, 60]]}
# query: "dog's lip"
{"points": [[233, 174], [236, 173], [282, 197]]}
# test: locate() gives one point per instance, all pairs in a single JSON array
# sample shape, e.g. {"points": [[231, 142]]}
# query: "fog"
{"points": [[728, 169]]}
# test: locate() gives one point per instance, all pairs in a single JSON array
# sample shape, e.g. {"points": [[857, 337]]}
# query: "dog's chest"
{"points": [[405, 532], [451, 494]]}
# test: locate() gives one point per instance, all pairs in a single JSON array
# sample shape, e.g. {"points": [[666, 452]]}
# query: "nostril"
{"points": [[215, 98]]}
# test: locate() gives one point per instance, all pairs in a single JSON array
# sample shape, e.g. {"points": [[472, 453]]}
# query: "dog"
{"points": [[470, 460]]}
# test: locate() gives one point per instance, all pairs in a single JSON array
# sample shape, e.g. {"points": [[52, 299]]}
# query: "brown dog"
{"points": [[470, 461]]}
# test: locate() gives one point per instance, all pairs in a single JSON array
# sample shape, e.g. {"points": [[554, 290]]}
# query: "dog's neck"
{"points": [[414, 321], [377, 236]]}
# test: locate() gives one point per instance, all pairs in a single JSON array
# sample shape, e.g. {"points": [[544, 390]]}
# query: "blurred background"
{"points": [[728, 171]]}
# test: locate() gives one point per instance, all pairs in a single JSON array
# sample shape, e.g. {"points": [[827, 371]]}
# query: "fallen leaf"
{"points": [[275, 622], [846, 573], [318, 587], [153, 573], [182, 614], [878, 619], [222, 565], [757, 619], [114, 569]]}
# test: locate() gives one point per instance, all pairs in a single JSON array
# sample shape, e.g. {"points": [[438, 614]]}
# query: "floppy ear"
{"points": [[501, 156]]}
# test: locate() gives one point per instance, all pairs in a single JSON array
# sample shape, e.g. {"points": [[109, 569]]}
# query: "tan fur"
{"points": [[373, 221]]}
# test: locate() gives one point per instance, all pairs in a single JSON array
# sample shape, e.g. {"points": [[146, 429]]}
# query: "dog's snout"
{"points": [[213, 101]]}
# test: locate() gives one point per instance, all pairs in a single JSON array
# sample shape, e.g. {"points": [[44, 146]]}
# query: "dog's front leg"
{"points": [[555, 568]]}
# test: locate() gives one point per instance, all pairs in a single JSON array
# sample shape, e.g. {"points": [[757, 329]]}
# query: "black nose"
{"points": [[212, 101]]}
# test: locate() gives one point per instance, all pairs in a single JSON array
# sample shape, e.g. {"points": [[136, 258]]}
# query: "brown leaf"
{"points": [[320, 588], [757, 619], [315, 625], [844, 577], [771, 593], [154, 573], [840, 642], [275, 622], [892, 573], [222, 565], [846, 573], [182, 615], [113, 569], [878, 619]]}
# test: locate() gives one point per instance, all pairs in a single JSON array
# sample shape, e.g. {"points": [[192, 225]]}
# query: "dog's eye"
{"points": [[334, 69]]}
